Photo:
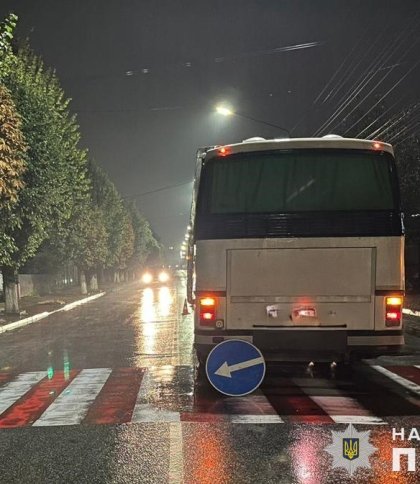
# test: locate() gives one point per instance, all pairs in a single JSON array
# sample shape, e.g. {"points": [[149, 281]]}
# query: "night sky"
{"points": [[145, 76]]}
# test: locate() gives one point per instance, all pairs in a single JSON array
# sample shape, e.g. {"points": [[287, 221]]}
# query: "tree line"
{"points": [[55, 201]]}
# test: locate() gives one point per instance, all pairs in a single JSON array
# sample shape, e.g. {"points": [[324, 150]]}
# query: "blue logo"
{"points": [[235, 367]]}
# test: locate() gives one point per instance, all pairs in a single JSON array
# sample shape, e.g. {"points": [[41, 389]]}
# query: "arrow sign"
{"points": [[226, 370], [235, 367]]}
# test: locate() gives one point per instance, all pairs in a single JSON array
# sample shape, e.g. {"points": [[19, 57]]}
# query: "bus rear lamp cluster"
{"points": [[207, 311], [393, 311]]}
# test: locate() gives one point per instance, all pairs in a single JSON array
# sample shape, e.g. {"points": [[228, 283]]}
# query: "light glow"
{"points": [[163, 276], [147, 278], [224, 151], [394, 301], [224, 111], [165, 302], [207, 301]]}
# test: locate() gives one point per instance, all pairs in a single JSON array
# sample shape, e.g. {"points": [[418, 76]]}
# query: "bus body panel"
{"points": [[309, 295], [349, 304]]}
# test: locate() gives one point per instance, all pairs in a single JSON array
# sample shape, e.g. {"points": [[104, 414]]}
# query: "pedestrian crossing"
{"points": [[169, 394]]}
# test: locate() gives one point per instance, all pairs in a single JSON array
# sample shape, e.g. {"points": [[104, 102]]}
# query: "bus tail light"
{"points": [[207, 311], [393, 311]]}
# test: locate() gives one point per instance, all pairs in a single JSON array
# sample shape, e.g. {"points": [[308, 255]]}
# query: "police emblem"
{"points": [[350, 449]]}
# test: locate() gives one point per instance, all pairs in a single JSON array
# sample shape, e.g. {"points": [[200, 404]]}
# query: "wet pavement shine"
{"points": [[109, 393]]}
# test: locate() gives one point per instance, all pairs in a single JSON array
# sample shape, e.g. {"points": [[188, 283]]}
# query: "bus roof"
{"points": [[327, 142]]}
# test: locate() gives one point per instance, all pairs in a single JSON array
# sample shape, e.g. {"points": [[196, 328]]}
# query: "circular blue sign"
{"points": [[235, 367]]}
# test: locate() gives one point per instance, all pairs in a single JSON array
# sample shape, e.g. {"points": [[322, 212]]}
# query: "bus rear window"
{"points": [[299, 180]]}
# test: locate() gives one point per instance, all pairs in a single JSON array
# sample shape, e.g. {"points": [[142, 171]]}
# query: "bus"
{"points": [[297, 246]]}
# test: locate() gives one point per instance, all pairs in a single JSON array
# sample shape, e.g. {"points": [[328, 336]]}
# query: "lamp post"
{"points": [[225, 111]]}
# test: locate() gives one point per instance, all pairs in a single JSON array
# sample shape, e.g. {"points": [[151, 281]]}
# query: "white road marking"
{"points": [[176, 455], [255, 419], [143, 410], [398, 379], [358, 419], [344, 409], [23, 322], [145, 388], [15, 389], [74, 304], [45, 314], [72, 405]]}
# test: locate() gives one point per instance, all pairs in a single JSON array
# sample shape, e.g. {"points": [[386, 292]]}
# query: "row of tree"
{"points": [[54, 200]]}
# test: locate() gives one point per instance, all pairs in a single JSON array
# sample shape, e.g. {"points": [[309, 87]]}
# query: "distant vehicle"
{"points": [[297, 246], [156, 275]]}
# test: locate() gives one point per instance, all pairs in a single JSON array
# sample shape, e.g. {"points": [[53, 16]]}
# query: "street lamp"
{"points": [[225, 111]]}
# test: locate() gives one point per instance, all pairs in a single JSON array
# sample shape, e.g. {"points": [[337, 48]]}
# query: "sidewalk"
{"points": [[411, 322], [32, 305], [38, 307]]}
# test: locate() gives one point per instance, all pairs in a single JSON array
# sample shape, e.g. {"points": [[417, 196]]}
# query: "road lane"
{"points": [[149, 419]]}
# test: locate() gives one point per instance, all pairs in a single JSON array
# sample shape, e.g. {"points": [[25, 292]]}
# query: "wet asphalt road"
{"points": [[108, 392]]}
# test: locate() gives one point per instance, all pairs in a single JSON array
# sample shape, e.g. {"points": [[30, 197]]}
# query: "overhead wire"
{"points": [[161, 189], [406, 114], [349, 71], [406, 128], [390, 108], [385, 95], [356, 89], [352, 91], [370, 72], [338, 70], [406, 137]]}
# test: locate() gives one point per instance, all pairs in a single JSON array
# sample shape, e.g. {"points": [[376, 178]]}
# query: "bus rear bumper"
{"points": [[307, 345]]}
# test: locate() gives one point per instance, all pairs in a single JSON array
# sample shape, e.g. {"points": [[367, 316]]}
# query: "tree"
{"points": [[407, 155], [12, 167], [6, 35], [86, 243], [55, 176], [107, 199], [127, 245], [144, 241]]}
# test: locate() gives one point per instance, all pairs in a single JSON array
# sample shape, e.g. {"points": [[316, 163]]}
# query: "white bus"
{"points": [[298, 246]]}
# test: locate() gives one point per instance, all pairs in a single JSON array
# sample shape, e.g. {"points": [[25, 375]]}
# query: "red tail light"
{"points": [[207, 311], [393, 311]]}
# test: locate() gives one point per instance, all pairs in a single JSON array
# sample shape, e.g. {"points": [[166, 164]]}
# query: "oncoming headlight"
{"points": [[147, 278], [163, 277]]}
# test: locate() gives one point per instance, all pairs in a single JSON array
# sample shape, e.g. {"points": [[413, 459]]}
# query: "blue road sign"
{"points": [[235, 367]]}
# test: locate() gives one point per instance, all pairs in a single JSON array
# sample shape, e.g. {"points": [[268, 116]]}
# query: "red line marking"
{"points": [[115, 403], [408, 372], [34, 403], [292, 403], [204, 417]]}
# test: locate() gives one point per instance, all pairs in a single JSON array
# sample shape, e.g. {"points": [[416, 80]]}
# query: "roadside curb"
{"points": [[412, 327], [37, 317]]}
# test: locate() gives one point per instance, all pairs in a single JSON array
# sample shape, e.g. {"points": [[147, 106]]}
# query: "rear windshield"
{"points": [[299, 180]]}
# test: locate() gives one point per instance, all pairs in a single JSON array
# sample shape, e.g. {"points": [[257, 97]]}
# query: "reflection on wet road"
{"points": [[109, 393], [160, 339]]}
